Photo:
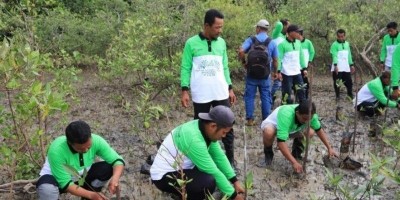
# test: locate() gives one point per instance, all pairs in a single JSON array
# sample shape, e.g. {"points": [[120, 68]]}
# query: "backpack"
{"points": [[258, 60]]}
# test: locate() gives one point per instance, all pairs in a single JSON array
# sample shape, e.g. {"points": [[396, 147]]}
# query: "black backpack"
{"points": [[258, 61]]}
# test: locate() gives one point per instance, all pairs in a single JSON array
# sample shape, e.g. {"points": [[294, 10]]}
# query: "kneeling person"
{"points": [[289, 121], [78, 149], [372, 98], [193, 147]]}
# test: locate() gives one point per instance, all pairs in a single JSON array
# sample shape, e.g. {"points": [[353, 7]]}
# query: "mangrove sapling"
{"points": [[355, 112], [308, 123]]}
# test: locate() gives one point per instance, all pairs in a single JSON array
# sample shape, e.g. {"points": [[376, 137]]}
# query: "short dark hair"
{"points": [[210, 16], [392, 25], [78, 132], [340, 31], [284, 21], [304, 107]]}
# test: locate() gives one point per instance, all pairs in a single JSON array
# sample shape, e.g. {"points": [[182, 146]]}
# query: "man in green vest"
{"points": [[290, 121], [205, 72], [291, 64], [342, 64], [389, 43], [192, 152], [78, 149], [372, 97]]}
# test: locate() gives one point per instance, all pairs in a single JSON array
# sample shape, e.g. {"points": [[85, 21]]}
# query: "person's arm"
{"points": [[277, 30], [243, 50], [303, 62], [395, 69], [322, 136], [334, 53], [242, 57], [281, 52], [383, 54], [114, 180], [351, 63], [311, 51], [377, 90], [109, 155], [194, 147], [286, 152], [315, 124], [186, 71]]}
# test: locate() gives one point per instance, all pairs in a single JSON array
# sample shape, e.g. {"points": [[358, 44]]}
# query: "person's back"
{"points": [[267, 54]]}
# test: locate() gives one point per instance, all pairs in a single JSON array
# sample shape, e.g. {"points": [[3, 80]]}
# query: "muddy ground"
{"points": [[110, 109]]}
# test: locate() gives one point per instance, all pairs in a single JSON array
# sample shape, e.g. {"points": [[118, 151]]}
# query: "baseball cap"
{"points": [[263, 23], [221, 115], [292, 28]]}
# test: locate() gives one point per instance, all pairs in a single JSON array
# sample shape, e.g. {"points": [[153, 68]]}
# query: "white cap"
{"points": [[263, 24]]}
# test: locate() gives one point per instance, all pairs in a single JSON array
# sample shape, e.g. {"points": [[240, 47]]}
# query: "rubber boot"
{"points": [[297, 148], [269, 155]]}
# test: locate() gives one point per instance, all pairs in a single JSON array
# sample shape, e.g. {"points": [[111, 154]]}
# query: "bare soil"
{"points": [[110, 110]]}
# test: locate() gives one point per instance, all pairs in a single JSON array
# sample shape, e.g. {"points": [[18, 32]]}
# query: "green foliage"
{"points": [[35, 92], [89, 33], [249, 182]]}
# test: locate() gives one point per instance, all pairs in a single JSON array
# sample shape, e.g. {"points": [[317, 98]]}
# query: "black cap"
{"points": [[292, 28], [221, 115]]}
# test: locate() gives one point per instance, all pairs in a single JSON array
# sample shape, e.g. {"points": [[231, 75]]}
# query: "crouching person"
{"points": [[372, 97], [290, 121], [78, 149], [192, 152]]}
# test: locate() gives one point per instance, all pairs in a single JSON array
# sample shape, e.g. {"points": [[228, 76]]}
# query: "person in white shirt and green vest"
{"points": [[205, 72], [389, 43], [278, 36], [192, 152], [342, 64], [79, 149], [290, 65], [290, 121], [373, 96]]}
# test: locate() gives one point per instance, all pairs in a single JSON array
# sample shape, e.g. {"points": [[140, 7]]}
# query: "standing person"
{"points": [[342, 64], [372, 96], [309, 53], [258, 68], [78, 149], [192, 152], [278, 36], [395, 73], [291, 63], [389, 43], [290, 121], [205, 71]]}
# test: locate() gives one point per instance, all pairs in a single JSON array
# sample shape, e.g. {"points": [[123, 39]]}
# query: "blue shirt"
{"points": [[262, 36]]}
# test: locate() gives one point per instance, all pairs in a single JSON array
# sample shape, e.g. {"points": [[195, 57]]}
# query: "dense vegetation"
{"points": [[45, 43]]}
